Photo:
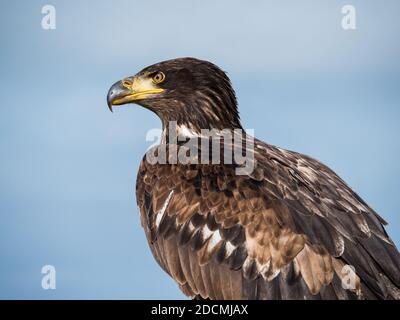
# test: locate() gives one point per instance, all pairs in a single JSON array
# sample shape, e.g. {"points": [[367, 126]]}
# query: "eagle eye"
{"points": [[158, 77]]}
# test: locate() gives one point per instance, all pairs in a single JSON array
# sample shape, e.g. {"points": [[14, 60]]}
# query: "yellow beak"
{"points": [[131, 89]]}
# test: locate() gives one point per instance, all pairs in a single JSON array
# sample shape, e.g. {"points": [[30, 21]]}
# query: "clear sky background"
{"points": [[68, 166]]}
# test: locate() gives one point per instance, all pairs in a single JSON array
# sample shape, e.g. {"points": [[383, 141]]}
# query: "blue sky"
{"points": [[68, 166]]}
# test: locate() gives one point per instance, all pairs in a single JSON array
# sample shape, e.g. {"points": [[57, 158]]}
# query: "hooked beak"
{"points": [[131, 89]]}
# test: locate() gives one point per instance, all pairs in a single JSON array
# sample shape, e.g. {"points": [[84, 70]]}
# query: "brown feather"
{"points": [[293, 214]]}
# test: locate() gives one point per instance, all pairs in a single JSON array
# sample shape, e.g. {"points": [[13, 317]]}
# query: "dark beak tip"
{"points": [[115, 91], [110, 106], [110, 99]]}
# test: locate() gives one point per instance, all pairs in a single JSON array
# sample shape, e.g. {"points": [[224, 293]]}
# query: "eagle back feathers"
{"points": [[287, 230]]}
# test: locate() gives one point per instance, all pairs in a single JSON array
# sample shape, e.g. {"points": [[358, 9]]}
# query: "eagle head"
{"points": [[194, 93]]}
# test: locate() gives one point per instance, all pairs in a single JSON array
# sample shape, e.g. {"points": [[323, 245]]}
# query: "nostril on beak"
{"points": [[127, 83]]}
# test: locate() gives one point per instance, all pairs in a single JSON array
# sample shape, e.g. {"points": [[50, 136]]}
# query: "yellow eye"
{"points": [[158, 77]]}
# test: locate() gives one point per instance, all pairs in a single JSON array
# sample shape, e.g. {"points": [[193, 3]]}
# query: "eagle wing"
{"points": [[292, 229]]}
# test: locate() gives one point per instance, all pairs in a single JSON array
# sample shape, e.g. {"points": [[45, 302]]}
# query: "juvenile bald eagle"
{"points": [[290, 228]]}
